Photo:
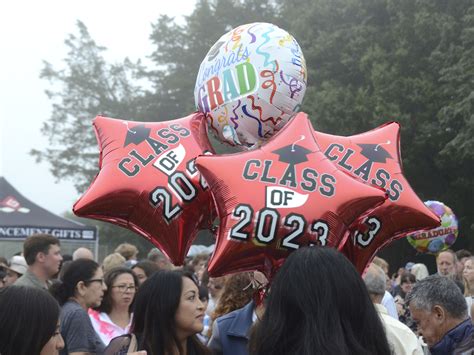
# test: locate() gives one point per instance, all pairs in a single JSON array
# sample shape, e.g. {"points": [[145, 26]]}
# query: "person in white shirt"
{"points": [[113, 317], [401, 338]]}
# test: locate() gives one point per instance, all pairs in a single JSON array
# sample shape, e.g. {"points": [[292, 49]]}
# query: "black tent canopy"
{"points": [[20, 218]]}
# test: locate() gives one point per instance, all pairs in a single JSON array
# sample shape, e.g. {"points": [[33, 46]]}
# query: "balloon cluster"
{"points": [[293, 186]]}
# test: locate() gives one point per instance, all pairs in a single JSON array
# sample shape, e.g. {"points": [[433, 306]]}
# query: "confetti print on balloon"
{"points": [[270, 83], [235, 117], [211, 118], [259, 109], [287, 39], [235, 37], [254, 38], [244, 110], [294, 85], [222, 118], [265, 54]]}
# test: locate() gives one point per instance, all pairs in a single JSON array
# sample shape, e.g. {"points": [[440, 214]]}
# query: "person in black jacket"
{"points": [[440, 310]]}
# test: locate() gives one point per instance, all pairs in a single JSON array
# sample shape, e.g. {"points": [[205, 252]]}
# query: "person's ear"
{"points": [[81, 288], [40, 257], [439, 314]]}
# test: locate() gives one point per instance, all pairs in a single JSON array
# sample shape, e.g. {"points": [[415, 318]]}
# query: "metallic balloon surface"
{"points": [[436, 240], [276, 198], [148, 181], [251, 82], [374, 157]]}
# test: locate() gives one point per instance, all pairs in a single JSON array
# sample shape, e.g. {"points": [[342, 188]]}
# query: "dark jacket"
{"points": [[458, 341], [230, 333]]}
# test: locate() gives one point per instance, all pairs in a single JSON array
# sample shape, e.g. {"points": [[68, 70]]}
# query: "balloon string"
{"points": [[293, 145], [378, 145], [128, 129]]}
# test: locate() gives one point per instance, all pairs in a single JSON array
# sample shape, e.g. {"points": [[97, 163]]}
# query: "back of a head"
{"points": [[420, 271], [155, 255], [149, 267], [381, 263], [463, 253], [28, 320], [37, 243], [374, 279], [237, 293], [77, 270], [438, 290], [82, 253], [318, 302], [112, 261], [127, 250]]}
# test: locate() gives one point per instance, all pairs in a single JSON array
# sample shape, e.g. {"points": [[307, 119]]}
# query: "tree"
{"points": [[374, 61], [87, 87]]}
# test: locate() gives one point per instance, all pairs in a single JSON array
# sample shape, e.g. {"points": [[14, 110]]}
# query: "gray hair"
{"points": [[156, 255], [374, 280], [420, 271], [438, 290]]}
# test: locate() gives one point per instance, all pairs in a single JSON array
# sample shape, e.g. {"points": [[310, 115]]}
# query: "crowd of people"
{"points": [[317, 303]]}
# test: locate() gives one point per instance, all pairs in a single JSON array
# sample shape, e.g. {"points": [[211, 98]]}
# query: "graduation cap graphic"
{"points": [[137, 134], [292, 154], [375, 152], [214, 51]]}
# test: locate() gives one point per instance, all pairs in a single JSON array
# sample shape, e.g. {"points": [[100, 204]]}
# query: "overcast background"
{"points": [[33, 31]]}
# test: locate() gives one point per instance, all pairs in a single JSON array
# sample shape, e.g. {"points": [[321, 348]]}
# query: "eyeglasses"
{"points": [[125, 288], [95, 280]]}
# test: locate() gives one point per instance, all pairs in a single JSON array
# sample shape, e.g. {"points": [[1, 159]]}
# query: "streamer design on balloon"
{"points": [[236, 116], [266, 55], [244, 110], [294, 85], [240, 72], [254, 38], [211, 124], [270, 83], [235, 38]]}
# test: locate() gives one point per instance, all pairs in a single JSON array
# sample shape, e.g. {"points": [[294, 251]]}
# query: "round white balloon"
{"points": [[251, 83]]}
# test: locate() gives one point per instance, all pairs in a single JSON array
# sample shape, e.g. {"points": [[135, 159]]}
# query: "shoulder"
{"points": [[246, 310], [23, 280], [71, 311]]}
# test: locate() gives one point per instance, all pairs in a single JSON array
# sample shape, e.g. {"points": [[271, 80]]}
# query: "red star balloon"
{"points": [[148, 181], [272, 200], [374, 156]]}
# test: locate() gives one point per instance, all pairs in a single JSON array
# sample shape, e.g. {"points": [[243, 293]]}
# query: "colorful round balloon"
{"points": [[251, 83], [438, 239]]}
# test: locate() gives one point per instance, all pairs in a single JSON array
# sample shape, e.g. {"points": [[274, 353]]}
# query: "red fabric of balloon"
{"points": [[274, 199], [374, 156], [148, 181]]}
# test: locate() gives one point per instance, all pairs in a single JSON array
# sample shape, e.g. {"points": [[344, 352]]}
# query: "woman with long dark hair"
{"points": [[82, 287], [167, 316], [29, 322], [318, 304], [114, 315]]}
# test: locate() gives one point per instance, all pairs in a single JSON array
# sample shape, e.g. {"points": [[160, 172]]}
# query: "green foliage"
{"points": [[87, 87], [410, 61]]}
